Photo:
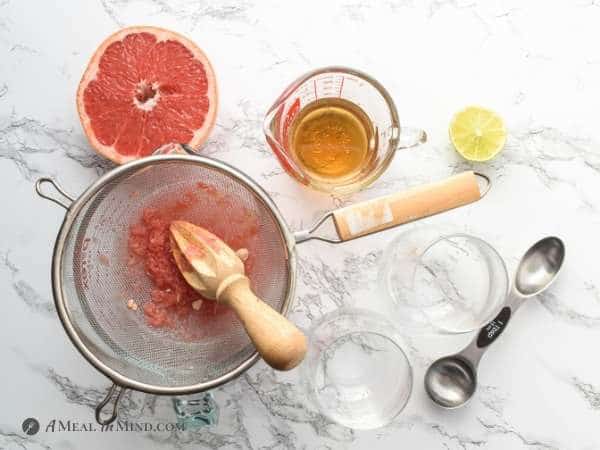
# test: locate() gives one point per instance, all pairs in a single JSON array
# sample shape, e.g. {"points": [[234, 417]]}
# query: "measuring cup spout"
{"points": [[269, 123], [274, 125]]}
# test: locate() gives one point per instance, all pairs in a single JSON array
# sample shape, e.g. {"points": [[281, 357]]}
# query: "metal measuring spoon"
{"points": [[451, 381]]}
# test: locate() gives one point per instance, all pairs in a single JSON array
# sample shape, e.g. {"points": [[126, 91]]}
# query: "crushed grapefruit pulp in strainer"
{"points": [[171, 299]]}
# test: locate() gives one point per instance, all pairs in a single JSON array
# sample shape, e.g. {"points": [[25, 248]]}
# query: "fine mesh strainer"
{"points": [[117, 341]]}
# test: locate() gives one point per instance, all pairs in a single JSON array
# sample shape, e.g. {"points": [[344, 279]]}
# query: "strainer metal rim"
{"points": [[72, 213]]}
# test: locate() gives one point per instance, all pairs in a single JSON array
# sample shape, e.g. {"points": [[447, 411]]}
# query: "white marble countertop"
{"points": [[537, 63]]}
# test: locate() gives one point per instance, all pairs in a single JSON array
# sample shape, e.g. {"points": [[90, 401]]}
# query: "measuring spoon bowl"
{"points": [[451, 381], [539, 266]]}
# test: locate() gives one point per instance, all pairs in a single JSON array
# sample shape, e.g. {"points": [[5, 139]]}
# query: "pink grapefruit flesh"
{"points": [[143, 88]]}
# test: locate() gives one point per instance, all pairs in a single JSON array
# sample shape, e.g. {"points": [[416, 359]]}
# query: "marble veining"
{"points": [[535, 62]]}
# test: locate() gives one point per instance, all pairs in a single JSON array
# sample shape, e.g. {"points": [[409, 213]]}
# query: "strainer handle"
{"points": [[406, 206], [38, 188], [399, 208], [115, 392]]}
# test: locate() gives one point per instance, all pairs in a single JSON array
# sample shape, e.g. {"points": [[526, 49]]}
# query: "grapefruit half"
{"points": [[143, 88]]}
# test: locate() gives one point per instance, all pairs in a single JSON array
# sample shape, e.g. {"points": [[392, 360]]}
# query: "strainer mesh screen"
{"points": [[97, 280]]}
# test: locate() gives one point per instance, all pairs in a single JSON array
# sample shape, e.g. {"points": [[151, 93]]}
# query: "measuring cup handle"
{"points": [[411, 137]]}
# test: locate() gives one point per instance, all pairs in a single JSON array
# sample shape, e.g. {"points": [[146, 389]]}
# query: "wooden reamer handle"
{"points": [[280, 343]]}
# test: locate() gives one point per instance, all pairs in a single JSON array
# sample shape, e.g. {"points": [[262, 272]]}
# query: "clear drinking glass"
{"points": [[359, 89], [444, 281], [355, 370]]}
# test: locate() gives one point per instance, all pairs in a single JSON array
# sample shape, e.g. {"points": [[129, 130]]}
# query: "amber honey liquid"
{"points": [[332, 139]]}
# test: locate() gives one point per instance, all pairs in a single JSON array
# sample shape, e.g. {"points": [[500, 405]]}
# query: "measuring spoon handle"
{"points": [[492, 330]]}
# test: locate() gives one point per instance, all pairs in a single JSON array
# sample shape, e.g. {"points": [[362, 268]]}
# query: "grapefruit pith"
{"points": [[143, 88]]}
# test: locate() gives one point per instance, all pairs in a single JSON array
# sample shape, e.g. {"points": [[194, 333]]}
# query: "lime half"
{"points": [[478, 134]]}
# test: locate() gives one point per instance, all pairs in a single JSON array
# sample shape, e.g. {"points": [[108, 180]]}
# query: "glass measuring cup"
{"points": [[359, 89]]}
